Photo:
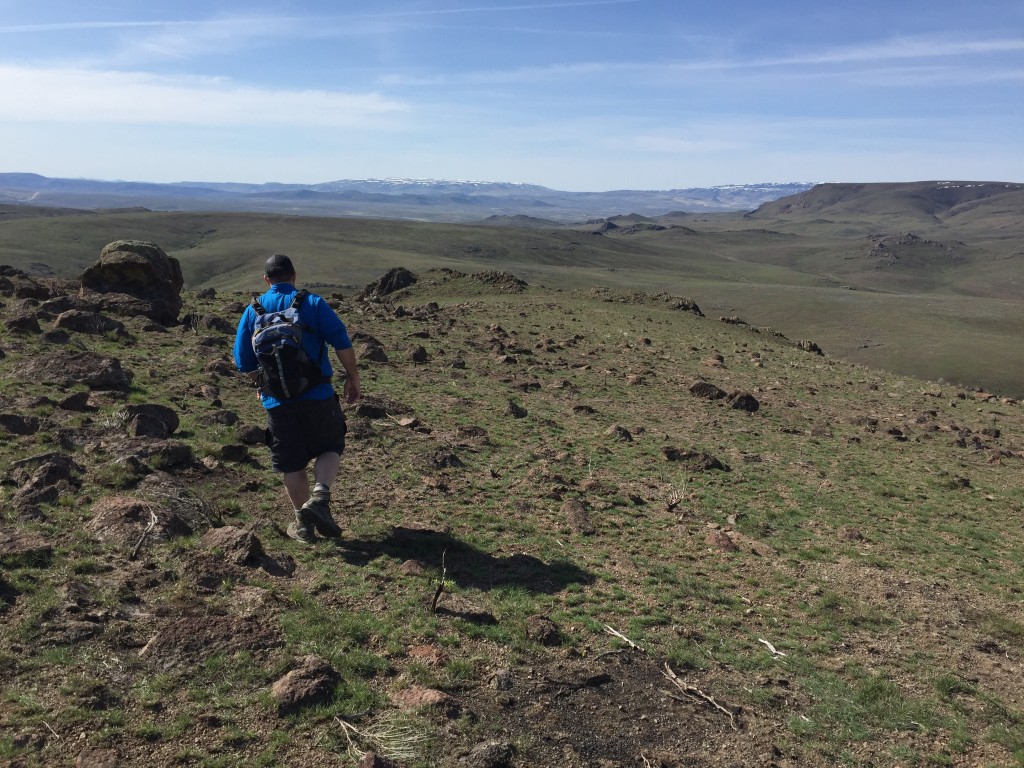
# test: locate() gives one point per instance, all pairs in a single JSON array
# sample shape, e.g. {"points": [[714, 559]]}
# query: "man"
{"points": [[309, 426]]}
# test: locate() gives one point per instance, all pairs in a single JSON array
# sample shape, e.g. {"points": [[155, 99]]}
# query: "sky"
{"points": [[576, 95]]}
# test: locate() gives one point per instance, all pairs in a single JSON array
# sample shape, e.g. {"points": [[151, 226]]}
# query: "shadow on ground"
{"points": [[467, 566]]}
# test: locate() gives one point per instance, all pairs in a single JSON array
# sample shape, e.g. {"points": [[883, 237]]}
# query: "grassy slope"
{"points": [[958, 321], [884, 571]]}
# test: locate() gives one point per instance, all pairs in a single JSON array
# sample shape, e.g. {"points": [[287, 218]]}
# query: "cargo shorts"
{"points": [[299, 431]]}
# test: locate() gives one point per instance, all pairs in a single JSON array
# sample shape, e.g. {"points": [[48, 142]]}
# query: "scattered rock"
{"points": [[720, 540], [619, 433], [697, 461], [250, 434], [543, 630], [195, 322], [311, 682], [412, 568], [491, 754], [24, 323], [53, 475], [809, 346], [577, 518], [151, 420], [443, 459], [237, 545], [417, 697], [503, 281], [234, 452], [419, 355], [394, 279], [88, 322], [368, 348], [707, 390], [76, 401], [503, 680], [24, 549], [849, 533], [516, 411], [18, 424], [70, 368], [744, 401], [124, 519]]}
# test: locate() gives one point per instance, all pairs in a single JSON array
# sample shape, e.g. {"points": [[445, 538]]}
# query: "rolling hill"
{"points": [[923, 278]]}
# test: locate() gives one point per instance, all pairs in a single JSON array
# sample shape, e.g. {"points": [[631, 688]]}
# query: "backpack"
{"points": [[286, 371]]}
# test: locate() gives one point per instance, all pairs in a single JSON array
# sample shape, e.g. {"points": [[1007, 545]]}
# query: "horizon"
{"points": [[573, 95], [482, 182]]}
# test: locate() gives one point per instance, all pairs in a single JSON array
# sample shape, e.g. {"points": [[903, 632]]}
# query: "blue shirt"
{"points": [[317, 315]]}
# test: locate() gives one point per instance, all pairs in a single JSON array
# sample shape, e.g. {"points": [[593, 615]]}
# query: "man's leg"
{"points": [[296, 485], [318, 508], [325, 468]]}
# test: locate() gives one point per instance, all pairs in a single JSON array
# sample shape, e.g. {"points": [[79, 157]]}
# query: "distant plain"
{"points": [[922, 279]]}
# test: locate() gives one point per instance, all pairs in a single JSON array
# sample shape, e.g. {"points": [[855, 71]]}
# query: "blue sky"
{"points": [[572, 94]]}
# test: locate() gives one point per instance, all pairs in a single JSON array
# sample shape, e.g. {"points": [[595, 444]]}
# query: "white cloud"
{"points": [[76, 95]]}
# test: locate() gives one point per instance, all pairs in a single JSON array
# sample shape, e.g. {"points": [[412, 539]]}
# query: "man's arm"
{"points": [[347, 358]]}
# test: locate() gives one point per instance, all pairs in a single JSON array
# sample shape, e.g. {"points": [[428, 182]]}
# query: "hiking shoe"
{"points": [[318, 512], [301, 529]]}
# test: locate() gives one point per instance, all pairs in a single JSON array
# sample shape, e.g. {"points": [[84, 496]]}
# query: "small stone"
{"points": [[719, 539], [311, 682], [491, 754], [543, 630], [619, 433], [577, 518]]}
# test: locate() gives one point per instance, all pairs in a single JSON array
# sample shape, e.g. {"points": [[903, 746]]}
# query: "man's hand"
{"points": [[352, 390], [347, 358]]}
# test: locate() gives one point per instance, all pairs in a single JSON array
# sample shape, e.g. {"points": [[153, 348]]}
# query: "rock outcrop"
{"points": [[137, 278]]}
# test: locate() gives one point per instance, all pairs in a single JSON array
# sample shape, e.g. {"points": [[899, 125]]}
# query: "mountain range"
{"points": [[418, 199]]}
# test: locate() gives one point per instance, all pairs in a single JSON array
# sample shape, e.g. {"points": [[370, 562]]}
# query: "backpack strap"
{"points": [[256, 306], [297, 299]]}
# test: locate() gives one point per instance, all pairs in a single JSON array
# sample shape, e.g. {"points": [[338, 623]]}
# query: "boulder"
{"points": [[87, 322], [137, 278], [394, 279], [124, 520], [577, 518], [311, 682], [237, 545], [707, 390], [151, 420], [70, 367], [543, 630], [24, 323], [744, 401]]}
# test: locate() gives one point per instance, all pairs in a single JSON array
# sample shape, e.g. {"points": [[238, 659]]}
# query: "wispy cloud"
{"points": [[868, 58], [71, 95], [497, 8], [900, 48]]}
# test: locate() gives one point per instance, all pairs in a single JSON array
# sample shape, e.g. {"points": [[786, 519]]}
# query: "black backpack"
{"points": [[286, 371]]}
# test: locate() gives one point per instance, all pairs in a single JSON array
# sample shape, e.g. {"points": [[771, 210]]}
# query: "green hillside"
{"points": [[580, 528], [921, 279]]}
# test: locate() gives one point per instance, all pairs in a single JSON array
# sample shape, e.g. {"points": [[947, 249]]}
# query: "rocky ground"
{"points": [[580, 529]]}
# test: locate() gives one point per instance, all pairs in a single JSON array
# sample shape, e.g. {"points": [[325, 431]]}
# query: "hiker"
{"points": [[287, 361]]}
